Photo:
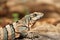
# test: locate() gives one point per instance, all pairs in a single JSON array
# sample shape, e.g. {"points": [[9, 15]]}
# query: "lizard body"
{"points": [[21, 25], [29, 20]]}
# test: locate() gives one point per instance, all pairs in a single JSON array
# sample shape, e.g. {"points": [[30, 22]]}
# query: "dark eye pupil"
{"points": [[35, 14]]}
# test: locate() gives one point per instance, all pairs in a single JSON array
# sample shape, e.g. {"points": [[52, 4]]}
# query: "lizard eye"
{"points": [[35, 15], [17, 21]]}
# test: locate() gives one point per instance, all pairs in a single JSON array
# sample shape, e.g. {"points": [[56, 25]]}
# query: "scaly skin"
{"points": [[21, 26], [29, 20]]}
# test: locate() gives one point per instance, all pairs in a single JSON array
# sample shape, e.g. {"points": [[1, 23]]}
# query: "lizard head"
{"points": [[36, 15]]}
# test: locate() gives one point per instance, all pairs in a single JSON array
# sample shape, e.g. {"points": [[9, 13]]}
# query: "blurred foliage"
{"points": [[15, 16], [0, 8], [26, 11], [0, 20]]}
